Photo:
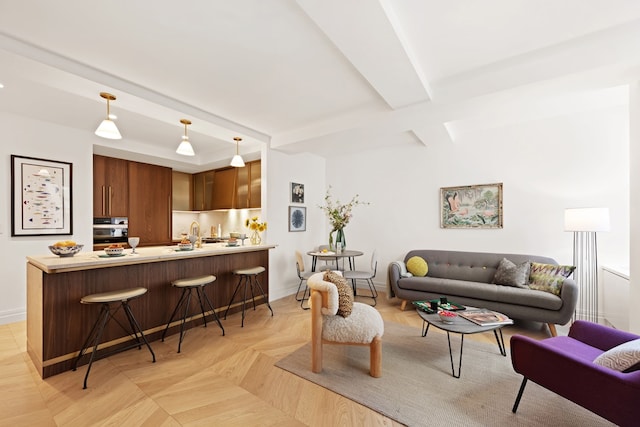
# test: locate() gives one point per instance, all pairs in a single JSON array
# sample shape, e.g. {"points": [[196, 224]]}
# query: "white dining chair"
{"points": [[355, 275]]}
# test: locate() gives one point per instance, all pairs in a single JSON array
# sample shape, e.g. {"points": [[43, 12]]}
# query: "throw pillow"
{"points": [[510, 274], [417, 266], [622, 358], [345, 293], [549, 277]]}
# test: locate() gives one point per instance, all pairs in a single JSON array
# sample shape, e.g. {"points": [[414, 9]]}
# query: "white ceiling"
{"points": [[320, 76]]}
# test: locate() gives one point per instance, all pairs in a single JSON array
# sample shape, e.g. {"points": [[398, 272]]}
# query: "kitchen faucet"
{"points": [[198, 243]]}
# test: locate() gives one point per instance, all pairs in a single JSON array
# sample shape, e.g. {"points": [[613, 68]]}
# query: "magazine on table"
{"points": [[485, 317]]}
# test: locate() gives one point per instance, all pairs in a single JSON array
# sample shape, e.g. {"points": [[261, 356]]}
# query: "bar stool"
{"points": [[106, 300], [187, 286], [250, 276]]}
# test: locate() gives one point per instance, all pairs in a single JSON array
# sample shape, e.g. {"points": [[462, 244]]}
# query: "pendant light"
{"points": [[185, 147], [108, 128], [237, 161]]}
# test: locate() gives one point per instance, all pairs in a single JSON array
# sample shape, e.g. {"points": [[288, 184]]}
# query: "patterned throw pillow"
{"points": [[510, 274], [549, 277], [623, 358], [417, 266], [345, 293]]}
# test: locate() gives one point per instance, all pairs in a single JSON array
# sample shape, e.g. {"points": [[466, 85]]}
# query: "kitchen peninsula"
{"points": [[57, 323]]}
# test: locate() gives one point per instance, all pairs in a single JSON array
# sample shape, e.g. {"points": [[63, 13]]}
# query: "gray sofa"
{"points": [[466, 278]]}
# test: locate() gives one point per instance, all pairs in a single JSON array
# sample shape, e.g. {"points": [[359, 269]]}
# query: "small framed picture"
{"points": [[297, 218], [297, 193]]}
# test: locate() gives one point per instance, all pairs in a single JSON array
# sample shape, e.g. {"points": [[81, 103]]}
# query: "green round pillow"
{"points": [[417, 266]]}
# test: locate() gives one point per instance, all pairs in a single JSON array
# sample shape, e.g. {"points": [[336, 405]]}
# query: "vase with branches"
{"points": [[339, 216]]}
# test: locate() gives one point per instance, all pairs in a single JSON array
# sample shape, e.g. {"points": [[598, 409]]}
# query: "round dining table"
{"points": [[332, 255]]}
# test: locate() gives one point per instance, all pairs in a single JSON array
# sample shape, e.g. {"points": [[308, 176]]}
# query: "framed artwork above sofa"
{"points": [[471, 206]]}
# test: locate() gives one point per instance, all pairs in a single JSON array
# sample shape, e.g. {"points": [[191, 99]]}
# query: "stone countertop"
{"points": [[90, 260]]}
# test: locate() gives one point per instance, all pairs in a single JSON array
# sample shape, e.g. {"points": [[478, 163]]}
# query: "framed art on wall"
{"points": [[471, 206], [297, 193], [297, 218], [40, 197]]}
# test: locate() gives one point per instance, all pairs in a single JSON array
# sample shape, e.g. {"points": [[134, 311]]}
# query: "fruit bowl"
{"points": [[447, 316], [65, 251], [114, 251]]}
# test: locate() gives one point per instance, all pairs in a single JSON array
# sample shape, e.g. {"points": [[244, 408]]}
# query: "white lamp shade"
{"points": [[586, 219], [237, 161], [108, 129], [185, 149]]}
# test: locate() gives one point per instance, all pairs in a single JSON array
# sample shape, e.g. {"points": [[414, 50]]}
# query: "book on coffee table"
{"points": [[485, 317]]}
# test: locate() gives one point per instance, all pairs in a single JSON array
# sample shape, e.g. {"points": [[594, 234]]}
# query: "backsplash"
{"points": [[232, 220]]}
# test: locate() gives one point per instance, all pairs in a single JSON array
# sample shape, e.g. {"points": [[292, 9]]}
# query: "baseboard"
{"points": [[12, 316]]}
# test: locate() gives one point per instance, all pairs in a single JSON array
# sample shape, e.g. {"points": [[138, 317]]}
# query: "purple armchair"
{"points": [[565, 366]]}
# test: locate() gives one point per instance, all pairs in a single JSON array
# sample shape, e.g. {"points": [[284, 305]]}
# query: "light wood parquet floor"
{"points": [[214, 381]]}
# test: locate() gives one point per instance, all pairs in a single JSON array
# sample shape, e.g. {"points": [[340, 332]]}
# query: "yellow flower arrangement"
{"points": [[254, 224]]}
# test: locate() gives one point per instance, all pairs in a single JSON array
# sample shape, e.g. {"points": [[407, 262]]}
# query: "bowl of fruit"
{"points": [[114, 250], [447, 316], [185, 245], [65, 248]]}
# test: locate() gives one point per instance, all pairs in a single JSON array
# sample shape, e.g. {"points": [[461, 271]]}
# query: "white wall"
{"points": [[545, 166], [30, 138], [283, 169], [634, 156]]}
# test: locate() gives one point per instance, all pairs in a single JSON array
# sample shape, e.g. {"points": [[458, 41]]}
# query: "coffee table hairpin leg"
{"points": [[496, 332]]}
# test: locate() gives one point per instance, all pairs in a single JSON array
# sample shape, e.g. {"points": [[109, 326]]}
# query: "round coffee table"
{"points": [[461, 326]]}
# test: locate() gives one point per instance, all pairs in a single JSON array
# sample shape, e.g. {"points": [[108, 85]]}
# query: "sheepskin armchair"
{"points": [[364, 326]]}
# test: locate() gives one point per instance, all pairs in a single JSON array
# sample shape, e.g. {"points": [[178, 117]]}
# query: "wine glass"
{"points": [[133, 242]]}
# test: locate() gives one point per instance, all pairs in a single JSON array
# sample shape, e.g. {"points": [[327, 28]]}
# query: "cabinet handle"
{"points": [[103, 200], [109, 206]]}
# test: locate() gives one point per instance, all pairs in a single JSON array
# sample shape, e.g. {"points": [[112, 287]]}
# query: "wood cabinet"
{"points": [[110, 187], [203, 191], [238, 188], [224, 188], [255, 184], [181, 191], [150, 203]]}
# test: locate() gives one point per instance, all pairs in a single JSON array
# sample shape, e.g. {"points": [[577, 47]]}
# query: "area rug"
{"points": [[417, 388]]}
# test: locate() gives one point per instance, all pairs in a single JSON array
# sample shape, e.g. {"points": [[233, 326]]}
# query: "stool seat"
{"points": [[253, 271], [194, 281], [113, 296]]}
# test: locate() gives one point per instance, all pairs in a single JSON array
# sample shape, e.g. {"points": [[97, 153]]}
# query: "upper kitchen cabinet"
{"points": [[110, 187], [224, 188], [182, 188], [238, 188], [248, 186], [150, 203], [203, 191]]}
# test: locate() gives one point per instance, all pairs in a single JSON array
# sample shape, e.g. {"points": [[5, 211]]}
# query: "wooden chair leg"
{"points": [[316, 331], [552, 329], [403, 305], [375, 355]]}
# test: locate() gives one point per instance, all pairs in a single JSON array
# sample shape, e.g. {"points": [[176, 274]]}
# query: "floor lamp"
{"points": [[585, 222]]}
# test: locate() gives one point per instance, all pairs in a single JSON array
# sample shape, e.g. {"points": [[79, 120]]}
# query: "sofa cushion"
{"points": [[417, 266], [549, 277], [345, 293], [623, 357], [482, 292], [510, 274]]}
